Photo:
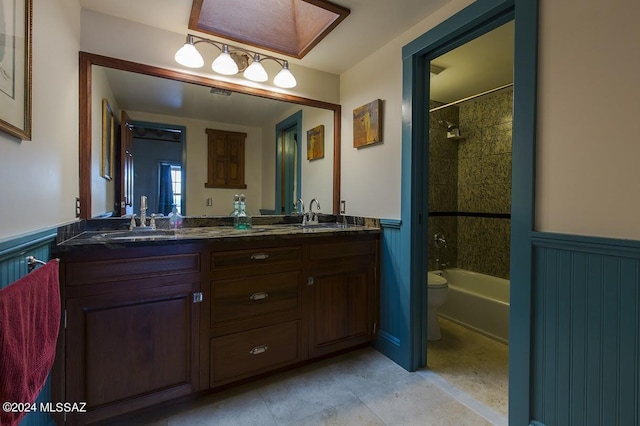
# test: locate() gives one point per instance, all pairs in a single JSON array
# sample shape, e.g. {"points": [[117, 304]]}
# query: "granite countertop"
{"points": [[207, 230]]}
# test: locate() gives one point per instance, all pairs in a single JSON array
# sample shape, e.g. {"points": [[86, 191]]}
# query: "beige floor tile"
{"points": [[414, 401], [362, 387], [475, 364], [362, 370], [350, 413], [304, 393]]}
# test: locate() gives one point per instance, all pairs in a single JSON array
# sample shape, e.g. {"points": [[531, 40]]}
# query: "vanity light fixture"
{"points": [[227, 64]]}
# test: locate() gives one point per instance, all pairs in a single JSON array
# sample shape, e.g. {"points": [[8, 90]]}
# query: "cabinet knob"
{"points": [[259, 349], [309, 280], [259, 256], [260, 295]]}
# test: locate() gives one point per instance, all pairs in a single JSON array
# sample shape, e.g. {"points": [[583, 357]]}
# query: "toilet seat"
{"points": [[436, 281]]}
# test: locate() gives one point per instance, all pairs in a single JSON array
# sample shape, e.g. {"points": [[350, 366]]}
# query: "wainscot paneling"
{"points": [[390, 319], [586, 331], [13, 266]]}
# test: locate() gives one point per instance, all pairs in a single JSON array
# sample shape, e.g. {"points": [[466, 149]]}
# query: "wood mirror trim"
{"points": [[85, 133]]}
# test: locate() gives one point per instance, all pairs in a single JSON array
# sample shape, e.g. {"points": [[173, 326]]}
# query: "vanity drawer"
{"points": [[78, 273], [243, 354], [248, 297], [341, 250], [235, 263]]}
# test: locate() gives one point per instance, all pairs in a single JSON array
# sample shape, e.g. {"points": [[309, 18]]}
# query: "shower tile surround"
{"points": [[470, 185]]}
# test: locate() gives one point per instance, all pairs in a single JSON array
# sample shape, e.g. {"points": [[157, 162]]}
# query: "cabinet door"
{"points": [[342, 309], [128, 350]]}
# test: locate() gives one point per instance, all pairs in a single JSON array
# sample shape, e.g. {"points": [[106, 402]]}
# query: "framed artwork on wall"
{"points": [[108, 135], [315, 143], [15, 67], [367, 124]]}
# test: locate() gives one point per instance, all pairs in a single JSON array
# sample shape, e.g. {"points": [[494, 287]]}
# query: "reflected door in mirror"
{"points": [[126, 165]]}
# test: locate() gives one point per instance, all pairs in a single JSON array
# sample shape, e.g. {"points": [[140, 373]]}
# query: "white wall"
{"points": [[40, 177], [588, 179], [196, 165], [371, 175]]}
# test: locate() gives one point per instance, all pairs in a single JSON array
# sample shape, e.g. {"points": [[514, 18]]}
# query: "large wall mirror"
{"points": [[163, 116]]}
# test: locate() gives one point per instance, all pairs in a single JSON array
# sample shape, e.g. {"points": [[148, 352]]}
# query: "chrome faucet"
{"points": [[295, 206], [313, 217]]}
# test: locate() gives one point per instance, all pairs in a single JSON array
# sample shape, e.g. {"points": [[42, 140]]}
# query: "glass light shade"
{"points": [[284, 78], [224, 64], [189, 56], [255, 71]]}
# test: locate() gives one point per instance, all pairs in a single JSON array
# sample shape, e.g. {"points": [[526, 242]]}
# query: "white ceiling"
{"points": [[477, 66], [370, 25]]}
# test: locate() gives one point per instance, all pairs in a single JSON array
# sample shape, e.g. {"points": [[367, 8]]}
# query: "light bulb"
{"points": [[255, 71], [285, 79], [188, 55], [224, 64]]}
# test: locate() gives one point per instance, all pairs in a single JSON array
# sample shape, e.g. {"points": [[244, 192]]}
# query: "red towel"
{"points": [[29, 324]]}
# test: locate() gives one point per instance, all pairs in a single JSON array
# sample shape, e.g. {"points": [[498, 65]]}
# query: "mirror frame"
{"points": [[87, 60]]}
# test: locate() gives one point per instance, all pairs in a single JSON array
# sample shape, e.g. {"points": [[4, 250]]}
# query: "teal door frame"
{"points": [[294, 120], [469, 23]]}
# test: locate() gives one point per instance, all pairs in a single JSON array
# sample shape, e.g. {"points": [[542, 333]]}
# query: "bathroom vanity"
{"points": [[153, 318]]}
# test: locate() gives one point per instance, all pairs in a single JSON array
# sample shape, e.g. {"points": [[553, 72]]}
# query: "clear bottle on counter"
{"points": [[236, 207], [243, 219], [175, 219]]}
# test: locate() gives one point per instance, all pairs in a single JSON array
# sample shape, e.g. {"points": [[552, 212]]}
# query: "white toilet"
{"points": [[437, 294]]}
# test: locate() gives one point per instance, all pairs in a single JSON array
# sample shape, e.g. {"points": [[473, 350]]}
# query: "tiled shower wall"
{"points": [[470, 185]]}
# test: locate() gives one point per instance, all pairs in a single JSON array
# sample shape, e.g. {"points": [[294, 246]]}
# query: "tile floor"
{"points": [[358, 388]]}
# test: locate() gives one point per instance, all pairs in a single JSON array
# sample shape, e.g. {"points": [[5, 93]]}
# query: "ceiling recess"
{"points": [[288, 27]]}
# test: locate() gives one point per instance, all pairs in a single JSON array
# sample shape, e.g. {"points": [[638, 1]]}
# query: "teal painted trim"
{"points": [[10, 248], [294, 119], [391, 337], [465, 24], [590, 244], [459, 26], [391, 223], [393, 340], [522, 208], [585, 330]]}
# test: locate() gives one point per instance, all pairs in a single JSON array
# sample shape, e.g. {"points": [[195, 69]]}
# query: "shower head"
{"points": [[453, 131], [450, 126]]}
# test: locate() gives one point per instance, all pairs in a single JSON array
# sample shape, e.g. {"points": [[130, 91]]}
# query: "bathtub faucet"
{"points": [[439, 241]]}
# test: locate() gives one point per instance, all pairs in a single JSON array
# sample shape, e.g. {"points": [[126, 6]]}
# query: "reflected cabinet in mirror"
{"points": [[161, 147]]}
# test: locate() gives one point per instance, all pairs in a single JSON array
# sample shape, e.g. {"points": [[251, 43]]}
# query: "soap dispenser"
{"points": [[175, 219], [236, 207], [243, 219]]}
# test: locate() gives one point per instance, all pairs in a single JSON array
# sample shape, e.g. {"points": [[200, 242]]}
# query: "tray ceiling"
{"points": [[288, 27]]}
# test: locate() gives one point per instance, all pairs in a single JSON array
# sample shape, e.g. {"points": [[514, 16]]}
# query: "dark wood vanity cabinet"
{"points": [[146, 325], [131, 334], [341, 277]]}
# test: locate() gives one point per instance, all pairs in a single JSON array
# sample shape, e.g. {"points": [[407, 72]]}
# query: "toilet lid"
{"points": [[435, 280]]}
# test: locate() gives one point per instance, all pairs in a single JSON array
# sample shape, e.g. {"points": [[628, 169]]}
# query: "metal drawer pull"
{"points": [[259, 350], [260, 295], [259, 256]]}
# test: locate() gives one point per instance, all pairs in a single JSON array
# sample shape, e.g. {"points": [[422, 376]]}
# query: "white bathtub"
{"points": [[477, 301]]}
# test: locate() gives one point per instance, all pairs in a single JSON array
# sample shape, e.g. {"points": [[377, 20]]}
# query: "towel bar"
{"points": [[32, 262]]}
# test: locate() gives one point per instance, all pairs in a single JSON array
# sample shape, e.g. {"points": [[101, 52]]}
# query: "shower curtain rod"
{"points": [[470, 97]]}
